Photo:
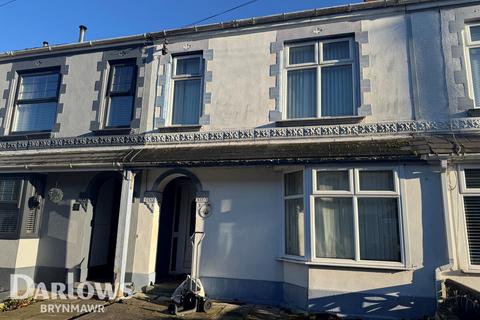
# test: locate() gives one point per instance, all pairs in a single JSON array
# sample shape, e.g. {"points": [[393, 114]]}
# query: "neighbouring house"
{"points": [[330, 156]]}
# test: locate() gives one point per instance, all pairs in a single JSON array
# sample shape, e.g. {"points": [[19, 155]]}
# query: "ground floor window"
{"points": [[470, 181], [294, 214], [355, 215]]}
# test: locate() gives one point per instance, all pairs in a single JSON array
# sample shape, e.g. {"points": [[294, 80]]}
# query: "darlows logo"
{"points": [[23, 286]]}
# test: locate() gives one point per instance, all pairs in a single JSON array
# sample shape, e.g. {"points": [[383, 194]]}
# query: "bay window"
{"points": [[470, 186], [121, 94], [354, 213], [294, 214], [320, 79], [36, 103], [357, 215], [187, 90]]}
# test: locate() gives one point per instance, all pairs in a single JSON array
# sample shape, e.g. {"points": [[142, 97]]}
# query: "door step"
{"points": [[101, 290]]}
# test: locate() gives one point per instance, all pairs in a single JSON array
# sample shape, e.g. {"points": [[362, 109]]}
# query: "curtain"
{"points": [[337, 91], [334, 235], [294, 227], [302, 93], [336, 50], [333, 180], [188, 66], [120, 111], [36, 116], [186, 101], [475, 65], [379, 229], [376, 181], [294, 183], [303, 54]]}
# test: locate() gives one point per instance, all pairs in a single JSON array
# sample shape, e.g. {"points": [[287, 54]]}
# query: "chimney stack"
{"points": [[81, 35]]}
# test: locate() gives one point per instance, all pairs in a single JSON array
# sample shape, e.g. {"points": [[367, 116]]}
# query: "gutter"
{"points": [[239, 24], [449, 232]]}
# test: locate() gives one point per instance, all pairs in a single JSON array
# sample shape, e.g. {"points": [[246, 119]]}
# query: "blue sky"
{"points": [[26, 23]]}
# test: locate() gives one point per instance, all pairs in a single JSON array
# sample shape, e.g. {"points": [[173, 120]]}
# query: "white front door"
{"points": [[183, 227]]}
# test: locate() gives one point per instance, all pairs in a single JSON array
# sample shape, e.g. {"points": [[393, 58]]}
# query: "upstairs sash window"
{"points": [[473, 49], [187, 90], [121, 94], [294, 214], [37, 99], [320, 79]]}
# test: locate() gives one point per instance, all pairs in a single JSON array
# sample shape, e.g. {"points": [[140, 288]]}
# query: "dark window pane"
{"points": [[188, 66], [122, 78], [8, 218], [187, 101], [294, 183], [376, 180], [333, 180], [475, 33], [302, 93], [472, 178], [38, 86], [379, 229], [336, 50], [337, 91], [472, 216], [475, 67], [334, 236], [303, 54], [120, 111], [36, 116], [9, 189]]}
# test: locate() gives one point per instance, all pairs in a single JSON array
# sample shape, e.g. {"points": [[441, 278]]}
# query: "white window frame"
{"points": [[284, 213], [175, 77], [354, 193], [464, 191], [469, 44], [319, 64]]}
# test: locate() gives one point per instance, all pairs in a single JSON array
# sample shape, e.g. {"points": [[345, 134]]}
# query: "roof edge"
{"points": [[234, 24]]}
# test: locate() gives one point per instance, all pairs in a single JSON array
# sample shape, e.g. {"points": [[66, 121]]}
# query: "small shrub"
{"points": [[12, 304]]}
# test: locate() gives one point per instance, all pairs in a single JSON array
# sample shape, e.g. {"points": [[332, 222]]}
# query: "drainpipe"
{"points": [[449, 230]]}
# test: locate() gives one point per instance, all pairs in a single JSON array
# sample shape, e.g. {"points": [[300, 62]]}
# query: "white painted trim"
{"points": [[319, 64], [401, 206], [464, 191]]}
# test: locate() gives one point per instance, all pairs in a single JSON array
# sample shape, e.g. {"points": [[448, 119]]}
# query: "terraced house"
{"points": [[330, 156]]}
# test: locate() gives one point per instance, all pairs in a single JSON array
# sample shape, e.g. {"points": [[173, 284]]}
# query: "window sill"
{"points": [[112, 131], [399, 267], [319, 121], [14, 136], [473, 112], [179, 128]]}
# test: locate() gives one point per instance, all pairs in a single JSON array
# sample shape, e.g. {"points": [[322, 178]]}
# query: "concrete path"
{"points": [[143, 308], [147, 306]]}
